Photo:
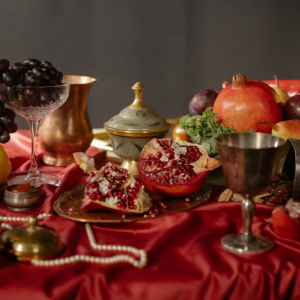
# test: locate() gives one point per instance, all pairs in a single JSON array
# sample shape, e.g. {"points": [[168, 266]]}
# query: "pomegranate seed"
{"points": [[187, 199], [165, 206], [120, 194], [110, 194], [120, 205], [123, 216], [71, 209]]}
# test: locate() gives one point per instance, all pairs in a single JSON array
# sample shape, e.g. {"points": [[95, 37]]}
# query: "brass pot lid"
{"points": [[137, 118], [32, 242]]}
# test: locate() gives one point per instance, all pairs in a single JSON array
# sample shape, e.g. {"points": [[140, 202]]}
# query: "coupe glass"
{"points": [[249, 162], [32, 103]]}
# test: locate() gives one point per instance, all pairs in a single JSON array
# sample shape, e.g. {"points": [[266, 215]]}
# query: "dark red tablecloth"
{"points": [[185, 258]]}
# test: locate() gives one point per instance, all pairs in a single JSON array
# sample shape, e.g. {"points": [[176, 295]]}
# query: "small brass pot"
{"points": [[68, 129]]}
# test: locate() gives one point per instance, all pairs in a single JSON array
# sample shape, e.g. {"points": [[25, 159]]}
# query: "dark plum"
{"points": [[291, 109], [201, 101]]}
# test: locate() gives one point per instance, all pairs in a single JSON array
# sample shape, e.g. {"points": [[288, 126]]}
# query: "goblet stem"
{"points": [[34, 169], [248, 208]]}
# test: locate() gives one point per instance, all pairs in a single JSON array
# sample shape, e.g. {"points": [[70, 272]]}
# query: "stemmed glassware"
{"points": [[32, 103], [249, 162]]}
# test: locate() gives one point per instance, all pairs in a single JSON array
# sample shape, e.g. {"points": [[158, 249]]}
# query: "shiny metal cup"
{"points": [[249, 162], [20, 201]]}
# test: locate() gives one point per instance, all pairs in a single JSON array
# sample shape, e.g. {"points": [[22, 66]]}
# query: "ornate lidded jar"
{"points": [[133, 128]]}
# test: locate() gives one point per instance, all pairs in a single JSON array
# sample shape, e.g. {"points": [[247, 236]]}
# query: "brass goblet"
{"points": [[249, 162]]}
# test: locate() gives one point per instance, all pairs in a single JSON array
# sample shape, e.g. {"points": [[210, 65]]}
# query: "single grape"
{"points": [[5, 137], [46, 65], [4, 64], [31, 63], [11, 93], [45, 97], [9, 78], [31, 80], [6, 119], [12, 128], [10, 112], [51, 73], [52, 82], [59, 76], [19, 69]]}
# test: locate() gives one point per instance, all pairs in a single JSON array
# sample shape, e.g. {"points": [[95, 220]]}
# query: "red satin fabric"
{"points": [[185, 258]]}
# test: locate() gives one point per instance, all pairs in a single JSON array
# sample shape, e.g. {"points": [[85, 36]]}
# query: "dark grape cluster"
{"points": [[7, 123], [31, 72], [18, 87]]}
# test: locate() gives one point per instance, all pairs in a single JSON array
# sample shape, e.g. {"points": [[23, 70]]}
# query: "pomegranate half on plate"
{"points": [[174, 168], [112, 188]]}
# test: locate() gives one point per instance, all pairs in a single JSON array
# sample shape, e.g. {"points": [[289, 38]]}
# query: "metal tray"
{"points": [[68, 206]]}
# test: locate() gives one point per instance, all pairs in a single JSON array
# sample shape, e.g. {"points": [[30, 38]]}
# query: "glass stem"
{"points": [[248, 208], [34, 169]]}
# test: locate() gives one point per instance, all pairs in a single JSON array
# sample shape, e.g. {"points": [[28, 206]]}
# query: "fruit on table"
{"points": [[179, 134], [5, 166], [201, 101], [285, 129], [115, 189], [31, 72], [244, 102], [283, 95], [174, 168], [286, 221], [291, 109]]}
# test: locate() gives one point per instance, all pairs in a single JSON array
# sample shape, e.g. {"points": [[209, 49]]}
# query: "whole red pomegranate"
{"points": [[115, 189], [244, 102], [174, 168]]}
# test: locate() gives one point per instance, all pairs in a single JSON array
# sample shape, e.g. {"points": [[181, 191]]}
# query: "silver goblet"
{"points": [[249, 162]]}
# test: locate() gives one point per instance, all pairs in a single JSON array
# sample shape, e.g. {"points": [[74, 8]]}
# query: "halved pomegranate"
{"points": [[174, 168], [115, 189]]}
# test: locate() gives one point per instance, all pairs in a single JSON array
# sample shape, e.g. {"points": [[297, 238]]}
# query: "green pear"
{"points": [[283, 95], [285, 129]]}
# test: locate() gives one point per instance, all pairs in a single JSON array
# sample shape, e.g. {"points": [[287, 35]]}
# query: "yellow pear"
{"points": [[283, 95], [285, 129]]}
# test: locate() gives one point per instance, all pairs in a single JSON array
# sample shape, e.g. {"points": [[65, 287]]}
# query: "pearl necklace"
{"points": [[87, 258]]}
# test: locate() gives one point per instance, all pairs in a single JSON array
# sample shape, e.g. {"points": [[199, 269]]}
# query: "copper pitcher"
{"points": [[68, 129]]}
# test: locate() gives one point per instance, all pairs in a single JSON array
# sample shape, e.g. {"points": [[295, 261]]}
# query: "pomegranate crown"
{"points": [[239, 81]]}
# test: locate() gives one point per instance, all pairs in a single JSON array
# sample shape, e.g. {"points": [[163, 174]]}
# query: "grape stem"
{"points": [[33, 169]]}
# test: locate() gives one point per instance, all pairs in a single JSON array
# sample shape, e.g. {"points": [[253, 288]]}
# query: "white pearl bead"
{"points": [[104, 247], [51, 263], [82, 257], [72, 259], [114, 248], [92, 259], [46, 263], [67, 260], [76, 257], [108, 247], [97, 260]]}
